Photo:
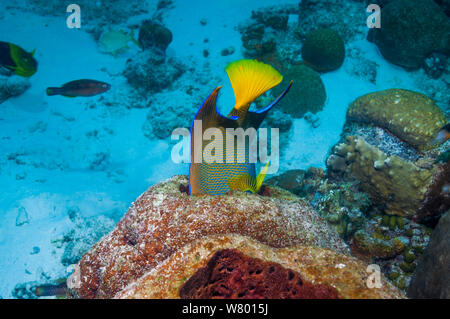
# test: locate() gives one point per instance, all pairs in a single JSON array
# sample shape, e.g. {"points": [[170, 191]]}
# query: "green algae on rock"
{"points": [[323, 50], [376, 247]]}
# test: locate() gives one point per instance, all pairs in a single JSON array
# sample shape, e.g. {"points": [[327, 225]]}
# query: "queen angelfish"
{"points": [[249, 79]]}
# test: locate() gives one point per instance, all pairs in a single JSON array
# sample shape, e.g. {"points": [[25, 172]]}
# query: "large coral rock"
{"points": [[154, 34], [164, 219], [406, 187], [386, 145], [307, 93], [411, 116], [431, 278], [410, 31], [235, 266], [323, 50]]}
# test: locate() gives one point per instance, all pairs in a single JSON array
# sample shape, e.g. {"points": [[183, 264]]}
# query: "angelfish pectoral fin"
{"points": [[254, 119], [246, 183], [261, 176]]}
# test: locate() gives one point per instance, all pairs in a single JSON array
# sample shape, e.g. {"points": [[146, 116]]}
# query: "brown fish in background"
{"points": [[443, 135], [80, 88], [58, 289]]}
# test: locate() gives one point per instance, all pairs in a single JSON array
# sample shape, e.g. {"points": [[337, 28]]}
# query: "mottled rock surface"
{"points": [[403, 187], [431, 278], [387, 145], [411, 30], [163, 220], [303, 272], [411, 116]]}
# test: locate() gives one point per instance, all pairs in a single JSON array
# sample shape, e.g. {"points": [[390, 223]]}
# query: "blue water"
{"points": [[92, 154]]}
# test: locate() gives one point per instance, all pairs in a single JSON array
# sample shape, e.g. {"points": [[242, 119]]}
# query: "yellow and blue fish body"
{"points": [[17, 60], [249, 79]]}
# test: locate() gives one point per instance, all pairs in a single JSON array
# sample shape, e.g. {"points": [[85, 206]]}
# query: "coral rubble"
{"points": [[149, 71]]}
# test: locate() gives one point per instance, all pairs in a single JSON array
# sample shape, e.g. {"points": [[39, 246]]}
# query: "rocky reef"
{"points": [[170, 245], [150, 72], [85, 233], [411, 31], [386, 148], [384, 156], [160, 123], [392, 242], [343, 205], [430, 279], [344, 17], [153, 34]]}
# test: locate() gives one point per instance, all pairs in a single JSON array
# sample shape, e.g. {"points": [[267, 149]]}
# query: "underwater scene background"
{"points": [[363, 174]]}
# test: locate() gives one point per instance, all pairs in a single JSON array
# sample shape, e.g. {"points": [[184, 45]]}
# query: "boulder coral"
{"points": [[323, 50], [167, 237], [154, 35], [409, 115], [411, 30], [307, 93]]}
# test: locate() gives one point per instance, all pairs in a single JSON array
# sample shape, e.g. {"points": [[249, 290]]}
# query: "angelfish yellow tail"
{"points": [[250, 79], [246, 183]]}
